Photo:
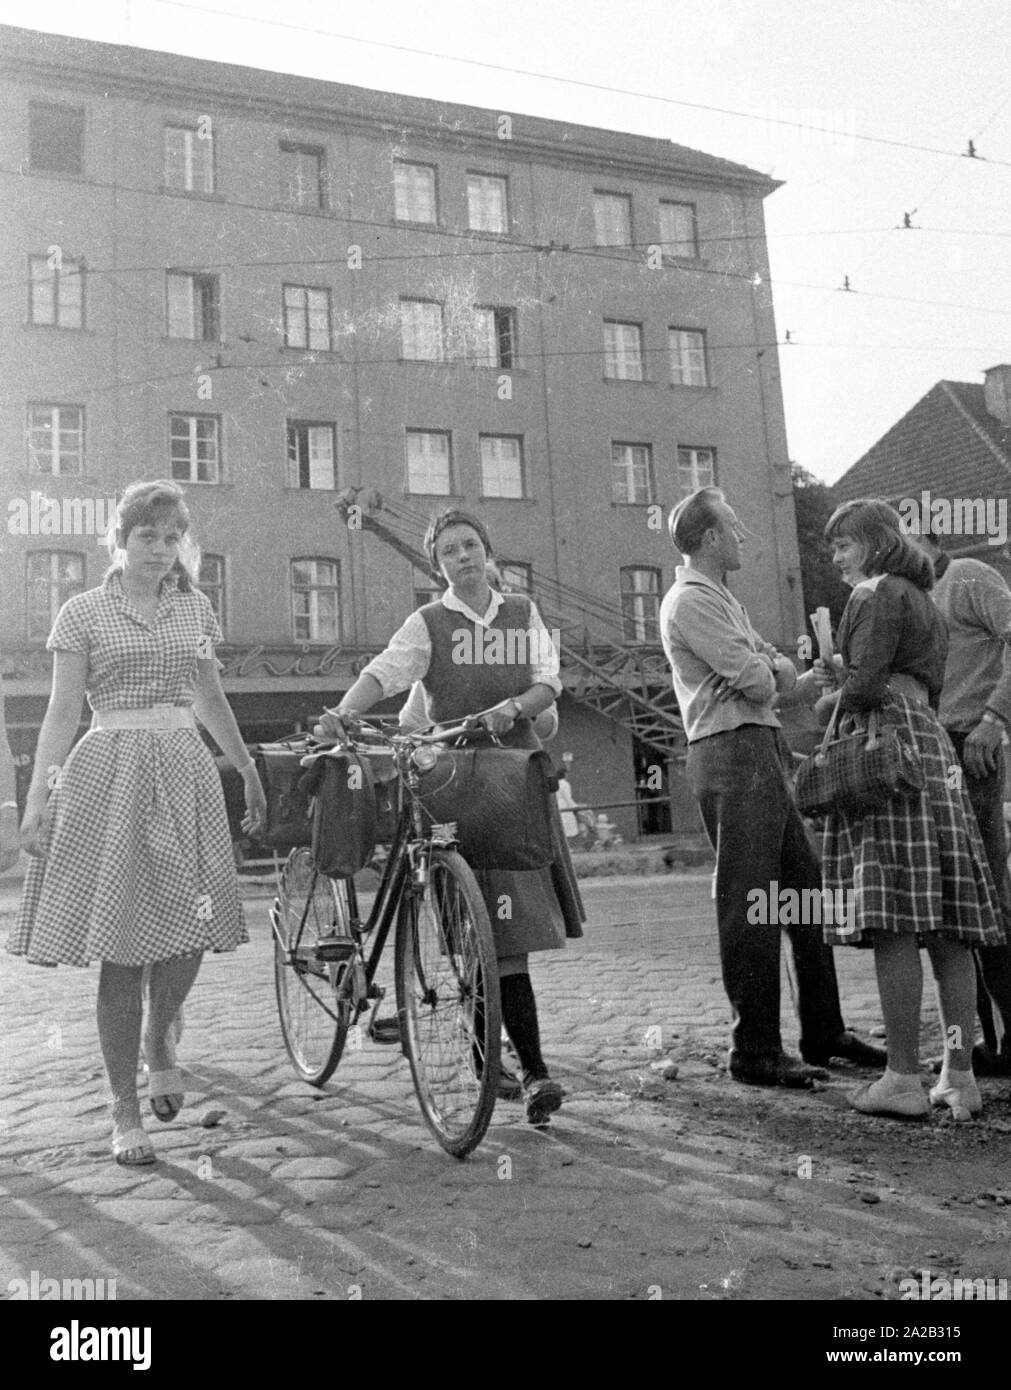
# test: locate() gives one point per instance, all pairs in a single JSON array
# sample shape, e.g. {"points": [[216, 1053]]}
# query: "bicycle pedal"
{"points": [[337, 950]]}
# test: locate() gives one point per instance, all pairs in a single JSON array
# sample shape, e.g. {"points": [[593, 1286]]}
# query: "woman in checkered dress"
{"points": [[917, 868], [132, 860]]}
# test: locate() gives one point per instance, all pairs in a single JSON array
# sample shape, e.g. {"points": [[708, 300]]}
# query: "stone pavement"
{"points": [[640, 1188]]}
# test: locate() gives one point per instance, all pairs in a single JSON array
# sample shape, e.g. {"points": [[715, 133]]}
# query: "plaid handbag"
{"points": [[858, 771]]}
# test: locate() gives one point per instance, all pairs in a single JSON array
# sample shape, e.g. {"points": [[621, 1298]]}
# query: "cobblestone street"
{"points": [[694, 1188]]}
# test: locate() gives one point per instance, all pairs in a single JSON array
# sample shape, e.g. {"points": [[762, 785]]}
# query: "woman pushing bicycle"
{"points": [[473, 649]]}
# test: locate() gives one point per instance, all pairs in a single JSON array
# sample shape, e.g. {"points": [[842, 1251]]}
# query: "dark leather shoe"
{"points": [[542, 1098], [776, 1071], [851, 1048]]}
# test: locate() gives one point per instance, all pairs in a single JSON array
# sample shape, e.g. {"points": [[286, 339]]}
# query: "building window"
{"points": [[192, 305], [612, 219], [56, 292], [696, 468], [678, 230], [429, 462], [303, 176], [688, 357], [414, 192], [212, 583], [422, 337], [517, 577], [495, 337], [53, 576], [56, 439], [640, 603], [315, 600], [623, 360], [194, 448], [311, 456], [631, 473], [425, 596], [501, 465], [189, 158], [306, 318], [55, 138], [487, 203]]}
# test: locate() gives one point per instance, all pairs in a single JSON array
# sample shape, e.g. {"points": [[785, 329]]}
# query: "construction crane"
{"points": [[627, 682]]}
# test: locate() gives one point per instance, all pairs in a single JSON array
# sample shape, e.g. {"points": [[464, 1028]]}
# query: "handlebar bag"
{"points": [[500, 801], [287, 788], [344, 820]]}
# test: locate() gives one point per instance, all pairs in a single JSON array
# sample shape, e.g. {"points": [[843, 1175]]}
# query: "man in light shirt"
{"points": [[725, 679]]}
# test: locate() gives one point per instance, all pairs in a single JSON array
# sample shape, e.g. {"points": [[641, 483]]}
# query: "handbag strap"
{"points": [[873, 733]]}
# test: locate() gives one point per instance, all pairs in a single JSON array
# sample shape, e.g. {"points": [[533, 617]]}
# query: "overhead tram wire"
{"points": [[580, 82]]}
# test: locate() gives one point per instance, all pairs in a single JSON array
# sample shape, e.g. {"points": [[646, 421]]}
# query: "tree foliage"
{"points": [[813, 504]]}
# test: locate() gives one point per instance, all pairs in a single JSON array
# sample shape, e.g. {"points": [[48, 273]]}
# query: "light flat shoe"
{"points": [[166, 1094], [873, 1099], [131, 1148], [963, 1101]]}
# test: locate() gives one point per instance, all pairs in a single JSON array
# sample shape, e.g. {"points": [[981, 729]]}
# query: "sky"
{"points": [[827, 95]]}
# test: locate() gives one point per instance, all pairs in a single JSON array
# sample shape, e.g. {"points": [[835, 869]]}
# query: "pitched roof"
{"points": [[948, 444]]}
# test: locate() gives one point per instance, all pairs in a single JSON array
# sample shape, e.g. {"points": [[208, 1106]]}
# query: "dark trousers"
{"points": [[740, 781], [993, 974]]}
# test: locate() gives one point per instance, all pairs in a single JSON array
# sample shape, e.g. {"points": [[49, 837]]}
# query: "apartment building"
{"points": [[275, 289]]}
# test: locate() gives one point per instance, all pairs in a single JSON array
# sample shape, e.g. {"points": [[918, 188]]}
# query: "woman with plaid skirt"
{"points": [[917, 868], [132, 859]]}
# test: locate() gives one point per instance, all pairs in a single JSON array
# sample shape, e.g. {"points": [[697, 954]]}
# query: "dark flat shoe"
{"points": [[776, 1071], [542, 1098], [851, 1049]]}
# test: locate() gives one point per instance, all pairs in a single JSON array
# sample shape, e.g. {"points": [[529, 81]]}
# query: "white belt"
{"points": [[165, 717]]}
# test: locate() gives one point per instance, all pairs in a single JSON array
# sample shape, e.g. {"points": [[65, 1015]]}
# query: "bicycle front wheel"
{"points": [[313, 945], [448, 1002]]}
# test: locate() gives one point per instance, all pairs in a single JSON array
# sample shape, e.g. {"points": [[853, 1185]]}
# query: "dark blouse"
{"points": [[890, 626]]}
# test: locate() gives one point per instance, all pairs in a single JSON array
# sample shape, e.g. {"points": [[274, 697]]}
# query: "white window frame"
{"points": [[197, 173], [214, 589], [610, 229], [489, 320], [210, 465], [55, 283], [696, 465], [58, 589], [299, 191], [624, 354], [517, 576], [412, 196], [674, 248], [62, 462], [502, 470], [192, 306], [640, 619], [319, 464], [425, 465], [318, 585], [688, 362], [626, 469], [488, 203], [422, 331], [306, 317]]}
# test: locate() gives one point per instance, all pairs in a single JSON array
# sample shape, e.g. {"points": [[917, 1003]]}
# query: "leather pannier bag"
{"points": [[500, 800], [344, 821], [288, 792]]}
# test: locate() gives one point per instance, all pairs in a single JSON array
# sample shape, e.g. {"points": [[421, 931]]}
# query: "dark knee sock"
{"points": [[519, 1014]]}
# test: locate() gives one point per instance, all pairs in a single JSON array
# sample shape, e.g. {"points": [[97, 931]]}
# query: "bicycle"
{"points": [[447, 988]]}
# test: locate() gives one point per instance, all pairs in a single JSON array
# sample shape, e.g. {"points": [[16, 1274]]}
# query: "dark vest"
{"points": [[474, 667]]}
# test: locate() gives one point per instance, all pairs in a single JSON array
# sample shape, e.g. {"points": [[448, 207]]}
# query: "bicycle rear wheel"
{"points": [[448, 1002], [313, 945]]}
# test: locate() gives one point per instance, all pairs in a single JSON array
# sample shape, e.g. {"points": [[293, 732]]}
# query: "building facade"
{"points": [[276, 289]]}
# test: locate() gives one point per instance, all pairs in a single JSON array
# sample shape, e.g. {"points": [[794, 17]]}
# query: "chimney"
{"points": [[997, 392]]}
